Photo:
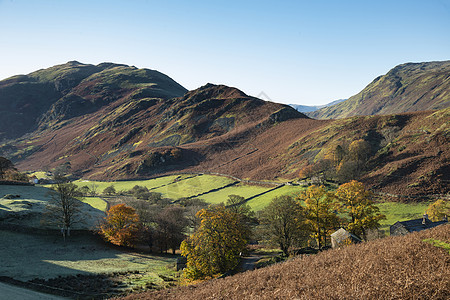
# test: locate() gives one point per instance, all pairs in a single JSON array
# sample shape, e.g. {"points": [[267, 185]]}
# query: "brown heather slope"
{"points": [[122, 123], [408, 87], [115, 141], [405, 267]]}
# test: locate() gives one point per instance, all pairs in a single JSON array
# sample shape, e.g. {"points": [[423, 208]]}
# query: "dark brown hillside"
{"points": [[122, 139], [122, 123], [406, 88], [406, 267]]}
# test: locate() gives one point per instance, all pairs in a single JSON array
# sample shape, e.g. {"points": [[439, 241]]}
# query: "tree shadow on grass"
{"points": [[81, 267]]}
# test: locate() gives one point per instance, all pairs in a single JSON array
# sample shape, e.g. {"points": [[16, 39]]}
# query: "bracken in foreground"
{"points": [[404, 267]]}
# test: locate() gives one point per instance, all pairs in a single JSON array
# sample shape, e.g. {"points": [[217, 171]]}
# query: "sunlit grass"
{"points": [[262, 201], [193, 186], [95, 202], [396, 211], [242, 190], [127, 185]]}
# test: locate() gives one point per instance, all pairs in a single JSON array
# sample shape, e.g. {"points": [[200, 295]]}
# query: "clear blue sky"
{"points": [[304, 52]]}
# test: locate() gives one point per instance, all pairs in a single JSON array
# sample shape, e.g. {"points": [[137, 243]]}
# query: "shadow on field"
{"points": [[82, 267]]}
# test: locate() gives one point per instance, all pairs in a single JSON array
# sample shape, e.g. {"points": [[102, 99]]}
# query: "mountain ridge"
{"points": [[131, 127], [407, 87]]}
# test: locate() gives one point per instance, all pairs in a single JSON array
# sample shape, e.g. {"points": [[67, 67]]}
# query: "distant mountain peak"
{"points": [[215, 91], [407, 87]]}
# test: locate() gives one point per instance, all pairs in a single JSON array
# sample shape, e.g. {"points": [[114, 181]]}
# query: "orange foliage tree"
{"points": [[121, 225]]}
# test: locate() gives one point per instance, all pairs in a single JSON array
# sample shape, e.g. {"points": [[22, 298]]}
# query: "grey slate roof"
{"points": [[414, 225]]}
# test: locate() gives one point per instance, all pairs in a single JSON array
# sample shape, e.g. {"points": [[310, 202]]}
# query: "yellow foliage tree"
{"points": [[438, 210], [216, 245], [320, 212], [335, 153], [359, 150], [121, 225], [359, 204]]}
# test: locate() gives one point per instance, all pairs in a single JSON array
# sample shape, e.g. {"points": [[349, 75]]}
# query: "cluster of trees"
{"points": [[212, 238], [219, 234], [341, 162], [142, 217], [316, 213], [439, 210]]}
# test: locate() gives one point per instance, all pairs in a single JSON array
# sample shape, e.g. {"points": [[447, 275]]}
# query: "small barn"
{"points": [[405, 227], [342, 237]]}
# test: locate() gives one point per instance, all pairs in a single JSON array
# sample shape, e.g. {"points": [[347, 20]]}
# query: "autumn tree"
{"points": [[319, 171], [14, 175], [216, 245], [438, 210], [320, 212], [360, 206], [63, 208], [121, 225], [282, 221], [335, 153], [359, 150]]}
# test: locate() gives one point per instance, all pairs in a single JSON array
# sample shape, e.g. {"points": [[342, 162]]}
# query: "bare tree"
{"points": [[93, 189], [63, 208], [171, 224]]}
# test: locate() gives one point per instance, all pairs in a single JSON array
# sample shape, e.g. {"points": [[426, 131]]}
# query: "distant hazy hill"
{"points": [[118, 122], [307, 109], [406, 88]]}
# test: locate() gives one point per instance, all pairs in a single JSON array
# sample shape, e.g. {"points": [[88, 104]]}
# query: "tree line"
{"points": [[213, 237]]}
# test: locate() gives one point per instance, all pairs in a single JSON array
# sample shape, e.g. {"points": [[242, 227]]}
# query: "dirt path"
{"points": [[248, 262], [13, 292]]}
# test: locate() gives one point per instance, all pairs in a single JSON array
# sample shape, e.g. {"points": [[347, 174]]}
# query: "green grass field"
{"points": [[395, 211], [127, 185], [28, 256], [242, 190], [95, 202], [185, 185], [193, 186], [262, 201]]}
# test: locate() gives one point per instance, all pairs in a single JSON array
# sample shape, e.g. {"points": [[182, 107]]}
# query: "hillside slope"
{"points": [[408, 87], [133, 127], [41, 98], [139, 135], [406, 267]]}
